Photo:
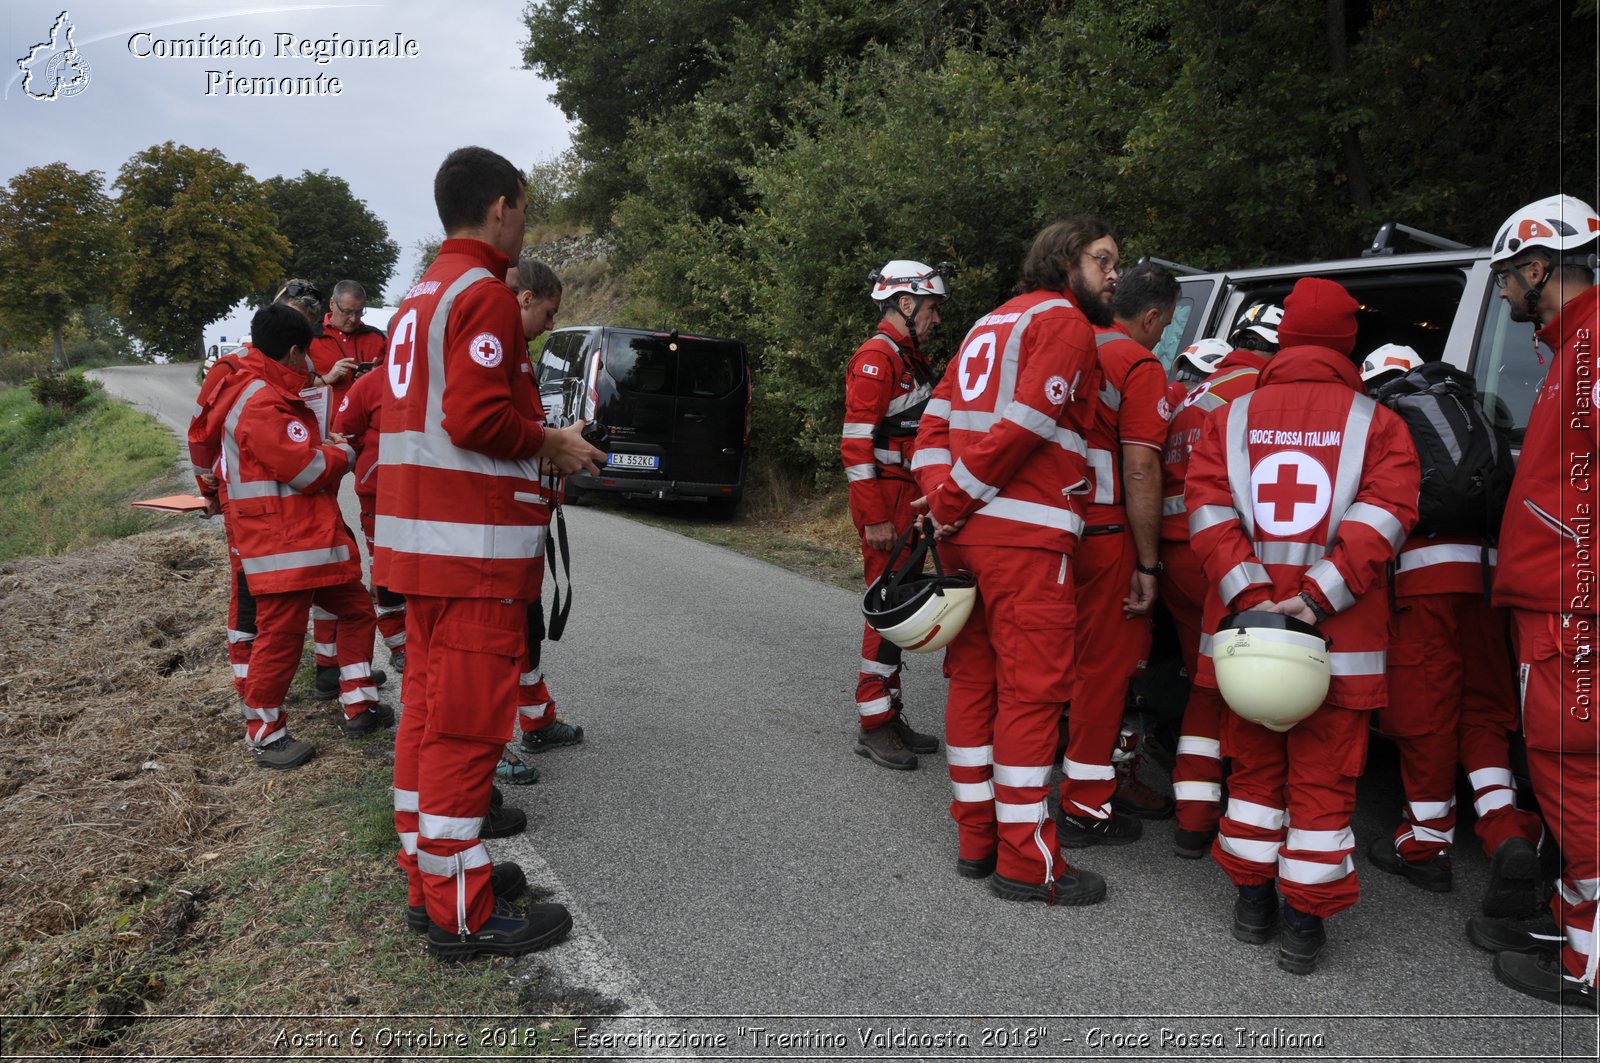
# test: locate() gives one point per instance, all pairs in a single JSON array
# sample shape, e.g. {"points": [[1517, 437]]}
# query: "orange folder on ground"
{"points": [[172, 503]]}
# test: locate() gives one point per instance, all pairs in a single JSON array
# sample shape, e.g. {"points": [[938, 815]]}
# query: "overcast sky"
{"points": [[385, 133]]}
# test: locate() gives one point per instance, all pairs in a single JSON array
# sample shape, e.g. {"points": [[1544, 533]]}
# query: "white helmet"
{"points": [[1262, 319], [1202, 357], [902, 276], [1560, 223], [1390, 358], [1271, 669], [919, 613]]}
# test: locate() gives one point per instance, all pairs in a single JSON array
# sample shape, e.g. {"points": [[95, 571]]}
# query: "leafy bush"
{"points": [[64, 391], [19, 367]]}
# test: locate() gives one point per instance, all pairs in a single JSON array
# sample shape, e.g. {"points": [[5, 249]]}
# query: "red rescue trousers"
{"points": [[1290, 797], [878, 681], [463, 664], [1450, 695], [280, 634], [1010, 672], [1109, 649], [241, 622], [536, 709], [1197, 772], [1556, 658]]}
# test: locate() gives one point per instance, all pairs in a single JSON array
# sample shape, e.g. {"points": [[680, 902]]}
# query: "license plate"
{"points": [[633, 461]]}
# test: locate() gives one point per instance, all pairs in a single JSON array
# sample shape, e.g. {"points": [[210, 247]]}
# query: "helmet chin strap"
{"points": [[911, 318]]}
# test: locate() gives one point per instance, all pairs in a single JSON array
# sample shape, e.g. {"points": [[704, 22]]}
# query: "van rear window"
{"points": [[687, 368]]}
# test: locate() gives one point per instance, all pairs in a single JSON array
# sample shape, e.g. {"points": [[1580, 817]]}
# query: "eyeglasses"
{"points": [[1107, 264], [1503, 277], [348, 311]]}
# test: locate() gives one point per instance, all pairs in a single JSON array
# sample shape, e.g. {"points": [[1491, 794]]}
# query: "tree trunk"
{"points": [[1355, 165], [60, 348]]}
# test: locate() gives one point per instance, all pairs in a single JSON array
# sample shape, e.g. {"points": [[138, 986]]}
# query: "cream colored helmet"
{"points": [[919, 613], [1271, 669]]}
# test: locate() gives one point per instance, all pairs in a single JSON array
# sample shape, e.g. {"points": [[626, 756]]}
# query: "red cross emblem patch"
{"points": [[486, 349], [1291, 491]]}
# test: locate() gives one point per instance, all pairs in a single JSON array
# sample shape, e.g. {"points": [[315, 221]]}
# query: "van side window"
{"points": [[642, 365], [1186, 317], [555, 361], [1508, 372]]}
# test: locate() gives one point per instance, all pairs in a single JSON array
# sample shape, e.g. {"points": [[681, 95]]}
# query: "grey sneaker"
{"points": [[883, 746], [557, 733], [285, 753]]}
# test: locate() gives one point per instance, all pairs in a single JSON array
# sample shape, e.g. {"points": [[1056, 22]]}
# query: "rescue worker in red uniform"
{"points": [[1197, 768], [1001, 456], [1543, 259], [538, 291], [342, 351], [1299, 494], [886, 388], [1450, 690], [293, 545], [359, 419], [1115, 565], [460, 531]]}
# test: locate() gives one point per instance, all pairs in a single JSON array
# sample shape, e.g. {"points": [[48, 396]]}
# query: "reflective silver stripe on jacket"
{"points": [[1444, 554], [1352, 455], [1332, 584], [1104, 466], [856, 430], [914, 397], [1369, 663], [974, 487], [939, 408], [1238, 455], [929, 456], [1379, 520], [308, 475], [1013, 349], [1239, 577], [230, 452], [1035, 513], [1289, 553], [1209, 517], [450, 539], [1172, 505], [295, 559], [853, 473]]}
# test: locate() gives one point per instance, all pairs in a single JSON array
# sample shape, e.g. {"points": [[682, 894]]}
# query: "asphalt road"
{"points": [[732, 865]]}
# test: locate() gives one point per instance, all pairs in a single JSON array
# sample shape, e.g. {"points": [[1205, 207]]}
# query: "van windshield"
{"points": [[686, 367]]}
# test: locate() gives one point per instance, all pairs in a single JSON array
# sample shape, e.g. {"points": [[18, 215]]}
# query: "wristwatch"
{"points": [[1317, 612], [1149, 570]]}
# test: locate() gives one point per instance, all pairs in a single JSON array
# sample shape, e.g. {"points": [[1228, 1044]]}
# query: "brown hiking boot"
{"points": [[883, 746], [1135, 798], [915, 741]]}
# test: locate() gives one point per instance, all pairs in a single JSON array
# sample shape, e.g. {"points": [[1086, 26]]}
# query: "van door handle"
{"points": [[694, 417]]}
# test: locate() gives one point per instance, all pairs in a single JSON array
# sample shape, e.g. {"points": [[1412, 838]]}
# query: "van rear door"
{"points": [[713, 399]]}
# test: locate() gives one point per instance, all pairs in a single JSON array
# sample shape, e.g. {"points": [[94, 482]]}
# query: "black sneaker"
{"points": [[506, 882], [368, 720], [912, 739], [1541, 975], [1537, 932], [1192, 844], [975, 868], [1514, 877], [1074, 886], [1080, 832], [503, 821], [284, 753], [1255, 914], [1300, 941], [508, 932], [1433, 875], [327, 687]]}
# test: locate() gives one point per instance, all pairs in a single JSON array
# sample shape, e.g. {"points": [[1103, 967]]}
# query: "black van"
{"points": [[677, 408]]}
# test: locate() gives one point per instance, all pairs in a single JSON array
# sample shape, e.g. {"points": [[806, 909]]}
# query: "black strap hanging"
{"points": [[559, 608]]}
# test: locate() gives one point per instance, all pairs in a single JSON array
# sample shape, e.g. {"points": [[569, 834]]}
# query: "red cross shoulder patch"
{"points": [[486, 349]]}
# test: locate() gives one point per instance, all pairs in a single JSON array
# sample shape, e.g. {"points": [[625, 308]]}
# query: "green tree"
{"points": [[333, 236], [204, 236], [59, 249]]}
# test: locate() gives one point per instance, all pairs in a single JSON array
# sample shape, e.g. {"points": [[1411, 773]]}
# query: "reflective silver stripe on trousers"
{"points": [[1021, 774], [294, 559], [449, 539], [1310, 873], [969, 756], [449, 828]]}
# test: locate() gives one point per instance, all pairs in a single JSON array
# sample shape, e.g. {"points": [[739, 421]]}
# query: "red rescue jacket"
{"points": [[1547, 539], [1235, 375], [1002, 440], [282, 487], [886, 389], [365, 345], [459, 511], [1306, 485], [358, 418], [1129, 408]]}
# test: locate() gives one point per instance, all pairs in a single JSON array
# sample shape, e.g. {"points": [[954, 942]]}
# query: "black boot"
{"points": [[506, 882], [1541, 975], [1255, 914], [1300, 941], [1514, 877]]}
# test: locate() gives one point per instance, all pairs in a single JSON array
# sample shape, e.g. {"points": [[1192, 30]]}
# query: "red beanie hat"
{"points": [[1321, 313]]}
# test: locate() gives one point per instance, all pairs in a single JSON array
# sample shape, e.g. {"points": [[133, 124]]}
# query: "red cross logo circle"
{"points": [[975, 365], [1291, 492], [486, 349], [297, 432]]}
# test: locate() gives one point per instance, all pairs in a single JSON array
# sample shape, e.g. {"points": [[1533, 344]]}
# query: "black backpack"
{"points": [[1466, 456]]}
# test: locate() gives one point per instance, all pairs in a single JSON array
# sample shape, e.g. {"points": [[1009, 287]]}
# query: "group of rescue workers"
{"points": [[440, 424], [1267, 502], [1070, 483]]}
